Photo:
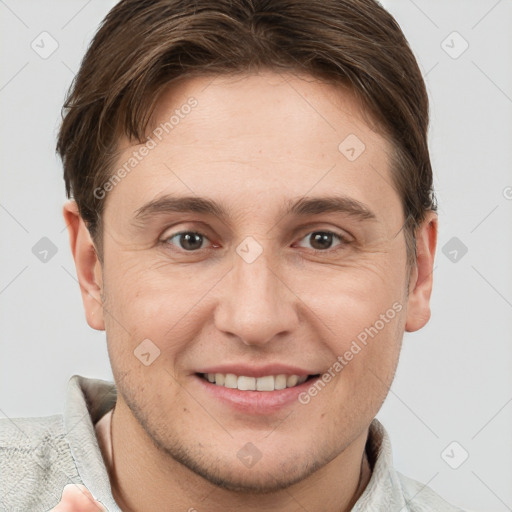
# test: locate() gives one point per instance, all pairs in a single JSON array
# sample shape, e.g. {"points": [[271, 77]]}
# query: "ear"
{"points": [[88, 266], [420, 282]]}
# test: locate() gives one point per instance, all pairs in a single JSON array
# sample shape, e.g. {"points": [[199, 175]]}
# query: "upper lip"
{"points": [[258, 371]]}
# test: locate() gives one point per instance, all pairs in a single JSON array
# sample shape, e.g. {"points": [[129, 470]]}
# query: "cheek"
{"points": [[149, 312], [360, 375], [372, 356], [369, 319], [362, 316], [347, 299]]}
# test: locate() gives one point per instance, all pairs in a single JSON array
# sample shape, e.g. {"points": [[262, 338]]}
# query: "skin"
{"points": [[251, 144], [76, 498]]}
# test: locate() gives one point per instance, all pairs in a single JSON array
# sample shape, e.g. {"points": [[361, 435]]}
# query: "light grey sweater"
{"points": [[39, 456]]}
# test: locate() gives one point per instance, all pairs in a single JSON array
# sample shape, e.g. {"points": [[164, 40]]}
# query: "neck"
{"points": [[144, 478]]}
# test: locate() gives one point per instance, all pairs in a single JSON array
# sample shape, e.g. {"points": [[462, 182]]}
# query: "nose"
{"points": [[256, 305]]}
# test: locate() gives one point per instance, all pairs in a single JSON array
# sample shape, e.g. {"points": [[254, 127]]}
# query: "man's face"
{"points": [[260, 290]]}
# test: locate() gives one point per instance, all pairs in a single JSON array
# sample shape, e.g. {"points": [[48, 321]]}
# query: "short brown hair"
{"points": [[142, 46]]}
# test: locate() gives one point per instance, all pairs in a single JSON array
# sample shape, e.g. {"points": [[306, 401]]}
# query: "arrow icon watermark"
{"points": [[249, 249], [146, 352], [44, 250], [351, 147], [249, 455], [454, 249]]}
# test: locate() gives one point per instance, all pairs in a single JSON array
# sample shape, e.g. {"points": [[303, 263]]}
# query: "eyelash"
{"points": [[344, 241]]}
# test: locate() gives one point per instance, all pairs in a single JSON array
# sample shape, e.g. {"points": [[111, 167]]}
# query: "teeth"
{"points": [[280, 382], [231, 381], [292, 381], [247, 383], [266, 383]]}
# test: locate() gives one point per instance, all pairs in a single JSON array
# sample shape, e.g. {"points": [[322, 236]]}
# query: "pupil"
{"points": [[323, 240], [191, 241]]}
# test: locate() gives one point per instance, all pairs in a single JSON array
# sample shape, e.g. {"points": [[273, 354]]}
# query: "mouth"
{"points": [[264, 383], [253, 391]]}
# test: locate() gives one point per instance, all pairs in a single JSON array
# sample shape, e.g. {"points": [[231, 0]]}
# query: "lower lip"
{"points": [[254, 402]]}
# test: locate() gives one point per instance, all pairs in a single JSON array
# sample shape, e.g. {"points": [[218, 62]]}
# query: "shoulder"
{"points": [[421, 498], [35, 462]]}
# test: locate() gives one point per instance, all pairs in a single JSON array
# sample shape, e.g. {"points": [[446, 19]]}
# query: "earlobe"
{"points": [[420, 285], [88, 266]]}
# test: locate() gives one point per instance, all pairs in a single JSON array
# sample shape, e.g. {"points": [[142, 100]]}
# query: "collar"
{"points": [[87, 400]]}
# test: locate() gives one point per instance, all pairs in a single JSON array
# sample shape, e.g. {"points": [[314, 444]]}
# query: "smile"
{"points": [[264, 383]]}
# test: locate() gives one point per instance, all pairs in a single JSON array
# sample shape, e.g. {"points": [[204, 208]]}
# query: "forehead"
{"points": [[259, 105], [257, 139]]}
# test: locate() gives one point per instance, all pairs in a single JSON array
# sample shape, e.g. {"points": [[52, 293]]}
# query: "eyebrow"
{"points": [[303, 207]]}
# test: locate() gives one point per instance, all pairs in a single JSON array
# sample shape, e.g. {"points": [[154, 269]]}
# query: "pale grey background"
{"points": [[454, 381]]}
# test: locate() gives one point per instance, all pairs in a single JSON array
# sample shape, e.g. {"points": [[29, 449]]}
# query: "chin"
{"points": [[265, 479], [264, 476]]}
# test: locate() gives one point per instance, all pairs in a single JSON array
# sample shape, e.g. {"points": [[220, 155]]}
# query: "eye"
{"points": [[187, 240], [193, 241], [323, 240]]}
